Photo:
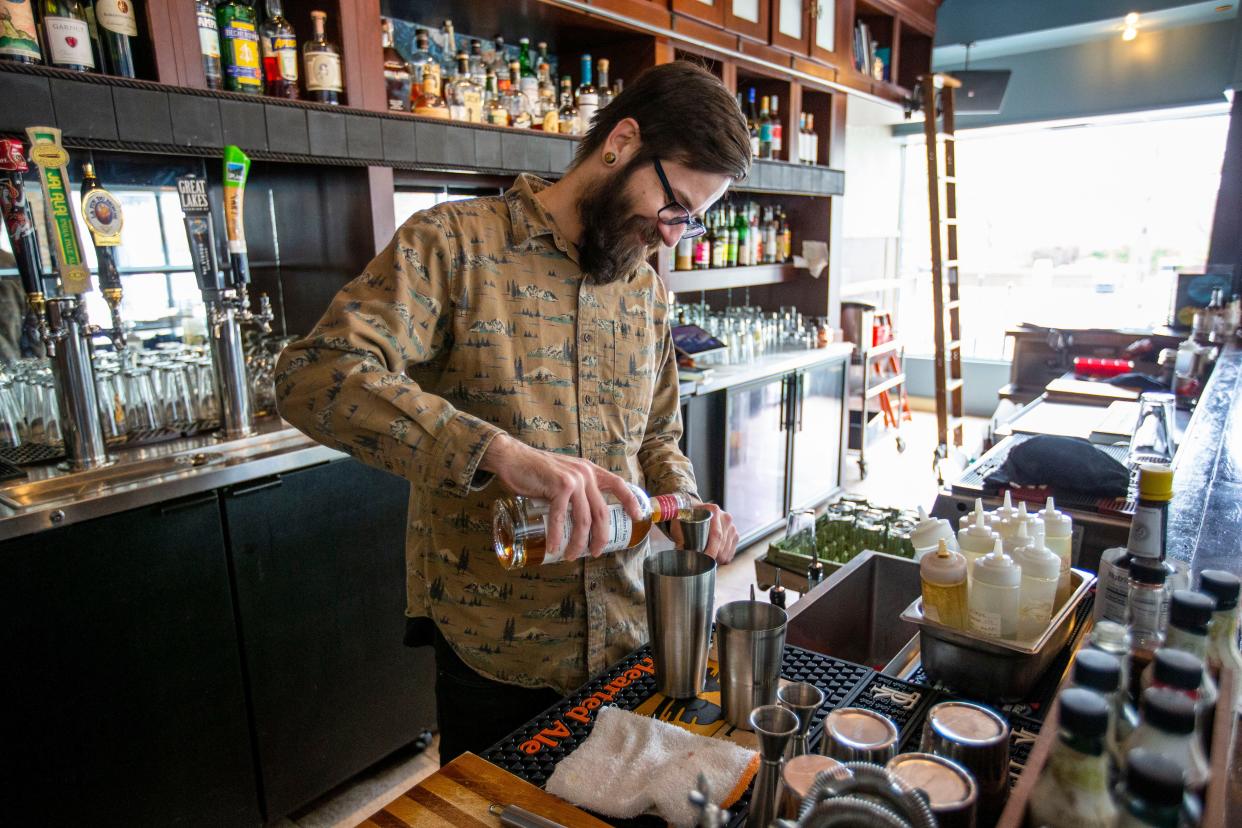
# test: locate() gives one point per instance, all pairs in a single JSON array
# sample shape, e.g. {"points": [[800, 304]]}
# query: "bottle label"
{"points": [[68, 42], [702, 253], [284, 49], [117, 16], [1145, 610], [1147, 531], [18, 35], [208, 35], [529, 86], [323, 72], [472, 103], [101, 211], [243, 45], [1114, 591], [619, 530], [985, 623], [551, 120]]}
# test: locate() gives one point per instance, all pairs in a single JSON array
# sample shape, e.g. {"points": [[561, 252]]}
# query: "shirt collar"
{"points": [[529, 218]]}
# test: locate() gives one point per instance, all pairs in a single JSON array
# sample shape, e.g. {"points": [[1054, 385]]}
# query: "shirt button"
{"points": [[586, 337], [593, 585]]}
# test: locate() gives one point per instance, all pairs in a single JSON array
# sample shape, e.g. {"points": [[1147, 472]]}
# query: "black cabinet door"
{"points": [[818, 409], [124, 702], [318, 557]]}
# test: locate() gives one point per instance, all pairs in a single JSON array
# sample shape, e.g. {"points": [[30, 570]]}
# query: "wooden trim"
{"points": [[784, 41], [714, 14], [746, 28], [174, 43], [834, 152], [648, 11], [359, 22], [789, 121]]}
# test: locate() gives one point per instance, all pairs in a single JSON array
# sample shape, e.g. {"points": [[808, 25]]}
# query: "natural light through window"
{"points": [[1073, 226]]}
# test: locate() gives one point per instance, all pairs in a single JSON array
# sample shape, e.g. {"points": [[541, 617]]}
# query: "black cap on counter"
{"points": [[1085, 713], [1147, 570], [1178, 669], [1154, 778], [1097, 670], [1168, 710], [1191, 611], [1221, 585]]}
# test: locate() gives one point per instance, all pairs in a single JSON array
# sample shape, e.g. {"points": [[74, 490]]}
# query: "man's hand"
{"points": [[721, 538], [564, 482]]}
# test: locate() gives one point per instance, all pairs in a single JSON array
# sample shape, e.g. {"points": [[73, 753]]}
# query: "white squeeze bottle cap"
{"points": [[997, 568], [1056, 524], [977, 539], [1037, 561], [944, 567], [1003, 512], [967, 520], [929, 532], [1033, 523]]}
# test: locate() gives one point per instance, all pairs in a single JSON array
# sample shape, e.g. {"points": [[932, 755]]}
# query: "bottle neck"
{"points": [[1191, 642], [586, 73], [1147, 529], [318, 28], [386, 37], [274, 9], [603, 78], [1078, 763]]}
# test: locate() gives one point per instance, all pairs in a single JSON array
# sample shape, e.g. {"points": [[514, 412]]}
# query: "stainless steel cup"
{"points": [[696, 527], [950, 789], [803, 699], [977, 738], [750, 642], [855, 734], [681, 588]]}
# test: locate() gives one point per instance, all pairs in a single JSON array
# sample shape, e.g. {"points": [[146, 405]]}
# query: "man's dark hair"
{"points": [[684, 114]]}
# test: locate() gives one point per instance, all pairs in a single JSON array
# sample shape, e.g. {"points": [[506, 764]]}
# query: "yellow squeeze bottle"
{"points": [[944, 586]]}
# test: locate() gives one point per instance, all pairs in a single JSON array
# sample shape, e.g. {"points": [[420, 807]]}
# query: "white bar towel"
{"points": [[631, 765]]}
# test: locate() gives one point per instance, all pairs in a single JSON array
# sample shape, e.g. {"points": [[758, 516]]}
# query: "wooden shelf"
{"points": [[717, 278]]}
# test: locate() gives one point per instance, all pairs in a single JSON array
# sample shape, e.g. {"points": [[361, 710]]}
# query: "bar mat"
{"points": [[10, 471], [904, 703], [31, 454], [533, 750], [1022, 734]]}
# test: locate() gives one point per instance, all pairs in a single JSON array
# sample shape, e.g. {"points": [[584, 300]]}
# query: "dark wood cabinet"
{"points": [[748, 18], [124, 699], [709, 11], [791, 25], [319, 562]]}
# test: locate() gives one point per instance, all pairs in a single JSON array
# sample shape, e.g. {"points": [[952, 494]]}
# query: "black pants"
{"points": [[474, 712]]}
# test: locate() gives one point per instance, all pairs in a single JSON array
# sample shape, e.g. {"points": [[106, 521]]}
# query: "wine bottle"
{"points": [[19, 38], [520, 527], [66, 35], [239, 47], [117, 28], [209, 42], [322, 61], [280, 53]]}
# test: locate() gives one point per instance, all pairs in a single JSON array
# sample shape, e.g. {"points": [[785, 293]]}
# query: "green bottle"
{"points": [[239, 46]]}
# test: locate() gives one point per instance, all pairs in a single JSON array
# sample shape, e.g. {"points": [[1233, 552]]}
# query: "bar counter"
{"points": [[1205, 517]]}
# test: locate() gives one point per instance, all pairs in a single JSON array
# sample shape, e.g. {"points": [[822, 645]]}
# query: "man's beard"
{"points": [[612, 249]]}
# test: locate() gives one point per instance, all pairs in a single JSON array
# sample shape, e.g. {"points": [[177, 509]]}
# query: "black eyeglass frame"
{"points": [[675, 213]]}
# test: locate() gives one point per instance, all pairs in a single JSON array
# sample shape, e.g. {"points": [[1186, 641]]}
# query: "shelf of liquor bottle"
{"points": [[715, 278], [788, 177]]}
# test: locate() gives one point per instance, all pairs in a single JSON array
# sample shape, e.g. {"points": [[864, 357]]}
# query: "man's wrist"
{"points": [[493, 460]]}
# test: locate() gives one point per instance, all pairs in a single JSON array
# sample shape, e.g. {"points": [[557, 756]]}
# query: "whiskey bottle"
{"points": [[587, 98], [66, 35], [545, 115], [567, 115], [117, 28], [239, 47], [515, 99], [280, 53], [429, 104], [19, 39], [605, 91], [465, 99], [209, 42], [396, 72], [322, 60], [520, 527], [496, 113], [421, 62]]}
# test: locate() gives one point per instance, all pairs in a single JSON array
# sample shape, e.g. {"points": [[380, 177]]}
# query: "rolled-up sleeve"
{"points": [[346, 384]]}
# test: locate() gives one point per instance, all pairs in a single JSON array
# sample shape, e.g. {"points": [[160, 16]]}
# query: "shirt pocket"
{"points": [[634, 366]]}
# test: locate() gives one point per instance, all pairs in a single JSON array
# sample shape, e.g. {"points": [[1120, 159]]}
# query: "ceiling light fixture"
{"points": [[1131, 30]]}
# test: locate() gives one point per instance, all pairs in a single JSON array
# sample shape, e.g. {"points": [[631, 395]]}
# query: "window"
{"points": [[153, 258], [1079, 225], [408, 202]]}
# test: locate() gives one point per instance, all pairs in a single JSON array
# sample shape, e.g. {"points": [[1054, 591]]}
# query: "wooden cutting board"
{"points": [[1067, 389], [458, 796]]}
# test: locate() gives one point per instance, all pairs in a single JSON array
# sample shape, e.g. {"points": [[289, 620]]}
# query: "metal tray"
{"points": [[988, 668]]}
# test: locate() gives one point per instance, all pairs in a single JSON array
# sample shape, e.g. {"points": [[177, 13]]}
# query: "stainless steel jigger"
{"points": [[775, 726], [803, 699], [696, 526]]}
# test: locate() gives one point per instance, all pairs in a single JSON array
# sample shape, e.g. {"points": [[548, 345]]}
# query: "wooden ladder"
{"points": [[938, 128]]}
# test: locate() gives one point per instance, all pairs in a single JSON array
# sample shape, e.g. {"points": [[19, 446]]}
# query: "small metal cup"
{"points": [[950, 789], [855, 734], [681, 588], [977, 738], [696, 526], [798, 776], [750, 643], [803, 699], [775, 726]]}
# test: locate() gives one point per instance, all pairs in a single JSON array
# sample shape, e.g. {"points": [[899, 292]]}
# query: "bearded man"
{"points": [[520, 345]]}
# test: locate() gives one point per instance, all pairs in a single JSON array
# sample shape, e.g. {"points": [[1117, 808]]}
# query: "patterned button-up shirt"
{"points": [[476, 319]]}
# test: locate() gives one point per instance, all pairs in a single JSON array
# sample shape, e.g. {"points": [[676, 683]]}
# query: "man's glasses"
{"points": [[674, 213]]}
